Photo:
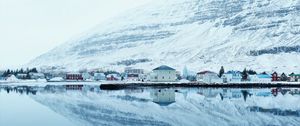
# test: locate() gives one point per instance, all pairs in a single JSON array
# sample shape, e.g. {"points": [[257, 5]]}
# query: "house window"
{"points": [[155, 77], [163, 77]]}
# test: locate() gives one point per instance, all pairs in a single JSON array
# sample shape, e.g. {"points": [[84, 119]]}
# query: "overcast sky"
{"points": [[29, 28]]}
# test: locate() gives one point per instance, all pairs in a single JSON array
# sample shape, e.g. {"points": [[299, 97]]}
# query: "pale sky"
{"points": [[29, 28]]}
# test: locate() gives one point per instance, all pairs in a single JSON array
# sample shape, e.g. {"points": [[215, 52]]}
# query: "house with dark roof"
{"points": [[163, 74], [232, 77], [294, 77]]}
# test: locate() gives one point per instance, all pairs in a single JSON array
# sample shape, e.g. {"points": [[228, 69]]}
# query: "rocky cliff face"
{"points": [[201, 34]]}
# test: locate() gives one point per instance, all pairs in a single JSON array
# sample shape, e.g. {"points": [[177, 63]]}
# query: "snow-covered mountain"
{"points": [[200, 34]]}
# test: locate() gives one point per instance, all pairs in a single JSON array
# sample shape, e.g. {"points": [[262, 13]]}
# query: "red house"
{"points": [[275, 77], [74, 76]]}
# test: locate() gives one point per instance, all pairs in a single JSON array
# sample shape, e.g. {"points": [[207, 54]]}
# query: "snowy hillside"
{"points": [[201, 34]]}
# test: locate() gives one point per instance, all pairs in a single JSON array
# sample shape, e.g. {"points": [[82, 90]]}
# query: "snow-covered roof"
{"points": [[164, 67], [294, 74], [205, 72], [233, 72], [263, 76]]}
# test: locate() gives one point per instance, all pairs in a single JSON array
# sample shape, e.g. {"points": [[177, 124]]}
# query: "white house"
{"points": [[37, 75], [232, 77], [208, 77], [12, 78], [260, 78], [56, 79], [99, 76], [163, 74]]}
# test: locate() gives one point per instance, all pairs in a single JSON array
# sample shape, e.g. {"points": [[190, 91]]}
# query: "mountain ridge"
{"points": [[200, 34]]}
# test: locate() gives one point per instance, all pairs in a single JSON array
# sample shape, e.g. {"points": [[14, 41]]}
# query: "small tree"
{"points": [[222, 71], [34, 70], [283, 77], [21, 71], [244, 75], [185, 72], [4, 74], [251, 72]]}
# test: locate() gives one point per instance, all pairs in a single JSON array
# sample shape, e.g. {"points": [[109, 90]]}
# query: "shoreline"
{"points": [[108, 85], [198, 85]]}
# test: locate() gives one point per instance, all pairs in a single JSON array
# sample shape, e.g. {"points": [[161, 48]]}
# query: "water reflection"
{"points": [[163, 97], [20, 89], [88, 105], [275, 111]]}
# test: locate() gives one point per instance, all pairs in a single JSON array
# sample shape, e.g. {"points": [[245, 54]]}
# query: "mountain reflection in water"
{"points": [[88, 105]]}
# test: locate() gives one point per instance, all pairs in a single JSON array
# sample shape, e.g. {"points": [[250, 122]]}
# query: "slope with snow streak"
{"points": [[202, 34], [192, 108]]}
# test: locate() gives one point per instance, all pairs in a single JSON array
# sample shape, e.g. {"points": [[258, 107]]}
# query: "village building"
{"points": [[99, 76], [232, 77], [260, 78], [294, 77], [22, 76], [275, 77], [134, 74], [74, 76], [113, 77], [283, 77], [133, 77], [163, 74], [56, 79], [143, 77], [130, 70], [37, 75], [11, 78], [208, 77]]}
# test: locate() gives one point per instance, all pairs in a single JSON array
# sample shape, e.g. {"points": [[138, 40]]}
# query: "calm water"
{"points": [[88, 105]]}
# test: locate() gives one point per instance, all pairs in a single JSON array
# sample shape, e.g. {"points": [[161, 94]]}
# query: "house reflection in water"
{"points": [[163, 97]]}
